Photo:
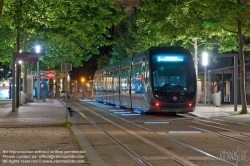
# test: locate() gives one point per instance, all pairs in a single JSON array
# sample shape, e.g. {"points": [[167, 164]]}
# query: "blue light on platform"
{"points": [[115, 110], [121, 112], [131, 114], [156, 122], [139, 112]]}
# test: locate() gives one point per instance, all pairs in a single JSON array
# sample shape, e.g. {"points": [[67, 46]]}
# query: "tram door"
{"points": [[137, 86], [116, 88], [125, 91], [104, 87]]}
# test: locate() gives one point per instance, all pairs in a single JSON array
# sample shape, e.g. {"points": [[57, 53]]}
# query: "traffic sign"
{"points": [[25, 57], [66, 67]]}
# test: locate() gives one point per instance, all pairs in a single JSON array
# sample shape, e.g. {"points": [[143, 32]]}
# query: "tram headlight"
{"points": [[157, 104], [190, 104]]}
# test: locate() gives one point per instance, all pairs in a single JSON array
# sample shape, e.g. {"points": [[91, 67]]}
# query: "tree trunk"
{"points": [[18, 70], [244, 2], [196, 63], [1, 7], [25, 66], [242, 68], [196, 57]]}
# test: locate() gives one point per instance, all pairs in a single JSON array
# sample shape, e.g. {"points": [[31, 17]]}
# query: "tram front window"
{"points": [[172, 77]]}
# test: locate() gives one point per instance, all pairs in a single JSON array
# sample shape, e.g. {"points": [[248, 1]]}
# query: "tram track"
{"points": [[225, 136], [130, 152], [158, 134], [219, 122], [178, 159], [212, 124]]}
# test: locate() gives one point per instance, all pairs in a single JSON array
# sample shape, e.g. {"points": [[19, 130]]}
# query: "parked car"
{"points": [[63, 94]]}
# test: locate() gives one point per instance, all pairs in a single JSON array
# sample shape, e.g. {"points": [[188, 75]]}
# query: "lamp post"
{"points": [[19, 65], [38, 50], [205, 63], [82, 80]]}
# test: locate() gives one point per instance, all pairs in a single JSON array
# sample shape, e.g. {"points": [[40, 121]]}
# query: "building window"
{"points": [[124, 8]]}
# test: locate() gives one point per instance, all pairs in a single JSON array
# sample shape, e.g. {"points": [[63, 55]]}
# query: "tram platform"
{"points": [[224, 112], [41, 114]]}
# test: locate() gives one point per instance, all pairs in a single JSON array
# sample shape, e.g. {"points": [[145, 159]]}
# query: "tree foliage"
{"points": [[165, 23], [69, 30]]}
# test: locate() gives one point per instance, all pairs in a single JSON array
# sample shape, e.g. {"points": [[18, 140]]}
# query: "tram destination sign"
{"points": [[25, 57]]}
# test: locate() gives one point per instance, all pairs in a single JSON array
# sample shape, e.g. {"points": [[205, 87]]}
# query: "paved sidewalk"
{"points": [[37, 116], [49, 112], [224, 112]]}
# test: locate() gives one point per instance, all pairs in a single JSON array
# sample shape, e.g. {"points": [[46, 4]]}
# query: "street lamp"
{"points": [[82, 80], [38, 51], [205, 63]]}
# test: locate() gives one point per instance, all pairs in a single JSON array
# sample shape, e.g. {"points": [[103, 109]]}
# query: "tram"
{"points": [[159, 79]]}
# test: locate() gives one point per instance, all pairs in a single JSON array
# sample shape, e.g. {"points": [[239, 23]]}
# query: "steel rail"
{"points": [[225, 136], [220, 120], [221, 128]]}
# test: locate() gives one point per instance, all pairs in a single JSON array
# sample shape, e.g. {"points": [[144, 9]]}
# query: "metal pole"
{"points": [[235, 82], [66, 92], [222, 88], [13, 84], [38, 79], [18, 71], [205, 82], [82, 90]]}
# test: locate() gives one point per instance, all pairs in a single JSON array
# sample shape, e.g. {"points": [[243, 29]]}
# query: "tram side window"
{"points": [[136, 78], [99, 84], [190, 83], [109, 81], [95, 84], [116, 81], [104, 82], [125, 79]]}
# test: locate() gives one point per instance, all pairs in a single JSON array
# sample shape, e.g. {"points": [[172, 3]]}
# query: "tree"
{"points": [[155, 26], [180, 24], [232, 17], [70, 30]]}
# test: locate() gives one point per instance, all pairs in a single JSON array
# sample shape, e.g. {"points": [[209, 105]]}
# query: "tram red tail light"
{"points": [[190, 104], [157, 104]]}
